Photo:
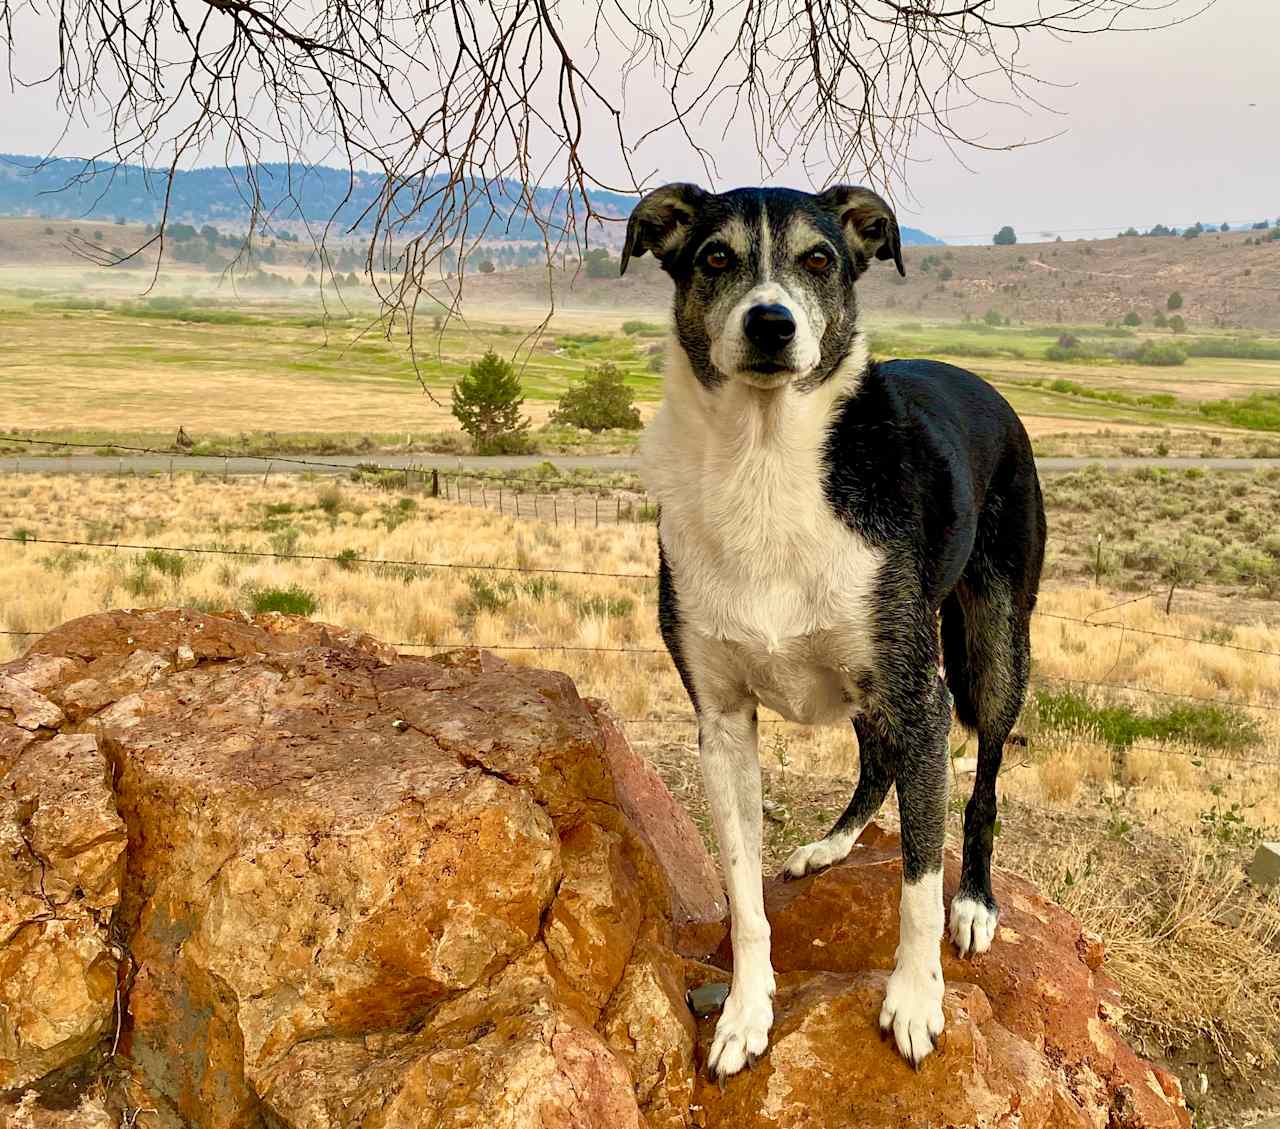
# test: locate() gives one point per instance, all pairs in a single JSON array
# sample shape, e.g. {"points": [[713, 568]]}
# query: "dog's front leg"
{"points": [[731, 777]]}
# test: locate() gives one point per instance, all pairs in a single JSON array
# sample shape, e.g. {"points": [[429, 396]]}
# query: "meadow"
{"points": [[1145, 770], [254, 371]]}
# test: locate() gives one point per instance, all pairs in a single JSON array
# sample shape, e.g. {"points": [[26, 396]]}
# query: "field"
{"points": [[89, 357], [1136, 807]]}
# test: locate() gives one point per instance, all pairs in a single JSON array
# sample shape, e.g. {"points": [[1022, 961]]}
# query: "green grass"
{"points": [[293, 600], [1119, 726], [1259, 411]]}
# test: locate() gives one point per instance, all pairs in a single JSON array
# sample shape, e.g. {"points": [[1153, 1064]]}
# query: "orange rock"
{"points": [[381, 891], [62, 849]]}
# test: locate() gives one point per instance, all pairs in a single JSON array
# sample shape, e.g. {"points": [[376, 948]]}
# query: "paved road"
{"points": [[341, 464]]}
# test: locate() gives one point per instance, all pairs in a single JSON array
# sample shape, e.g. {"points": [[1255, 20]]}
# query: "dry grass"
{"points": [[1197, 952]]}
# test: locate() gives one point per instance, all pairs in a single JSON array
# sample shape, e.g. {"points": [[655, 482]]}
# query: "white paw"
{"points": [[973, 925], [913, 1010], [813, 857], [742, 1033]]}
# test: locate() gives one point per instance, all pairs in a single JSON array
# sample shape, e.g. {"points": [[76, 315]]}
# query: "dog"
{"points": [[838, 538]]}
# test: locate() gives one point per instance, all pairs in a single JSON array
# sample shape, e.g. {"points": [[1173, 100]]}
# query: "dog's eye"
{"points": [[716, 260], [817, 261]]}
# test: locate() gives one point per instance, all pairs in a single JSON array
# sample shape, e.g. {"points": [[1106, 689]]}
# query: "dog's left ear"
{"points": [[660, 222], [869, 225]]}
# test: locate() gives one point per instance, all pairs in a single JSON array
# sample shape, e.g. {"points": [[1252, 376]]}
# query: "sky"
{"points": [[1170, 126]]}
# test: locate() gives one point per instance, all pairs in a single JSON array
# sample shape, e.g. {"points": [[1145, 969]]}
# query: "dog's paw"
{"points": [[973, 924], [741, 1035], [816, 856], [913, 1010]]}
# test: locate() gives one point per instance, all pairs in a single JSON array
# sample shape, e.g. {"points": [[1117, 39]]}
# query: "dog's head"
{"points": [[764, 276]]}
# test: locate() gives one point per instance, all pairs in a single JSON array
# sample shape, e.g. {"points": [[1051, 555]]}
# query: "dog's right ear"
{"points": [[660, 222]]}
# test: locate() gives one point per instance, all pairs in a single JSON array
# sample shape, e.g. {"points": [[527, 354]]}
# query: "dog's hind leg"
{"points": [[875, 776], [913, 1000], [731, 777], [986, 641]]}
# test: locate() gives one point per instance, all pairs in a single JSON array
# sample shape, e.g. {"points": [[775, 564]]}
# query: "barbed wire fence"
{"points": [[533, 496], [508, 495]]}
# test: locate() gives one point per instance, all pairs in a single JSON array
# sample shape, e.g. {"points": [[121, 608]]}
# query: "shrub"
{"points": [[1243, 348], [1174, 301], [1005, 237], [995, 317], [598, 400], [1131, 318], [290, 601], [1178, 323], [1159, 353], [1159, 319], [487, 401], [487, 267], [643, 328]]}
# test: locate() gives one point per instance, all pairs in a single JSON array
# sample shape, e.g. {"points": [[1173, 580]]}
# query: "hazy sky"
{"points": [[1171, 126]]}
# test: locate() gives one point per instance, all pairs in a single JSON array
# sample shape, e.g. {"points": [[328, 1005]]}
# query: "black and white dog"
{"points": [[819, 513]]}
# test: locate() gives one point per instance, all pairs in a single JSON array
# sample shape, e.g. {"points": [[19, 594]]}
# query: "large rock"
{"points": [[389, 892], [61, 864]]}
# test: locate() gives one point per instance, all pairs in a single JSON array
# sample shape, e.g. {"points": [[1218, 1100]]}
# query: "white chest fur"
{"points": [[774, 589]]}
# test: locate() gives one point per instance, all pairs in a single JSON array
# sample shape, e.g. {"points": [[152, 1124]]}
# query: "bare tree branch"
{"points": [[458, 120]]}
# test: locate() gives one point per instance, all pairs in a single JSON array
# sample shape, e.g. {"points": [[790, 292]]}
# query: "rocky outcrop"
{"points": [[269, 873]]}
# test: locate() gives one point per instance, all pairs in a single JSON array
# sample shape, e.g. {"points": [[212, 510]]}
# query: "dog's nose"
{"points": [[769, 327]]}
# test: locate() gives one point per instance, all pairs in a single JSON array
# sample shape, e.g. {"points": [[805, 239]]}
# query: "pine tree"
{"points": [[487, 401]]}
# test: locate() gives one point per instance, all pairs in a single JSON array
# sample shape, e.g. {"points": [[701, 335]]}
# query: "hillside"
{"points": [[102, 193], [1226, 280]]}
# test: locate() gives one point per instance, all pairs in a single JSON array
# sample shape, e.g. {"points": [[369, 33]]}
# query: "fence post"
{"points": [[573, 501], [171, 472], [555, 510], [617, 517], [435, 482], [597, 511], [267, 474], [484, 496]]}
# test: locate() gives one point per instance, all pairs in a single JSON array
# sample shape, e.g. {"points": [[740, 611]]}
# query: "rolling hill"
{"points": [[101, 192]]}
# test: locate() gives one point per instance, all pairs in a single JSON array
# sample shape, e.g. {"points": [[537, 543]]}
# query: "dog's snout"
{"points": [[769, 327]]}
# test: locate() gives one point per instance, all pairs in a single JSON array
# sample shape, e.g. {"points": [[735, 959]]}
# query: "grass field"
{"points": [[278, 371], [1138, 810]]}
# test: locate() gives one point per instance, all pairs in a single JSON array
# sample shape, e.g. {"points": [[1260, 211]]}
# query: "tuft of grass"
{"points": [[293, 600], [172, 565], [330, 500]]}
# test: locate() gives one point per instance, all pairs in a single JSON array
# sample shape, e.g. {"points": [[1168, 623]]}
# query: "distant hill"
{"points": [[1225, 281], [73, 189]]}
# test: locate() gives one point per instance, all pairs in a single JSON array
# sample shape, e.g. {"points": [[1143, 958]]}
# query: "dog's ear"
{"points": [[869, 225], [660, 222]]}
